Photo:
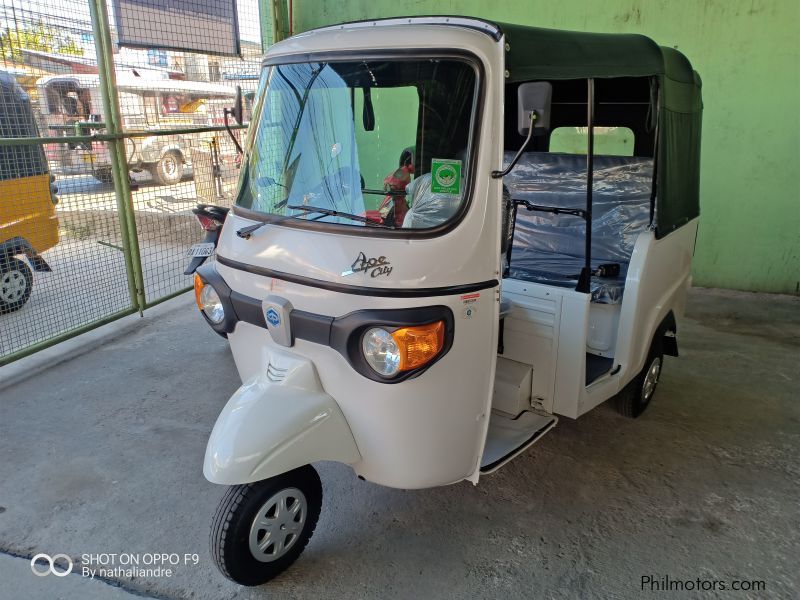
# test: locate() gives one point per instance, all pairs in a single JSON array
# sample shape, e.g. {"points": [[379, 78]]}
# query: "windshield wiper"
{"points": [[327, 212], [247, 232]]}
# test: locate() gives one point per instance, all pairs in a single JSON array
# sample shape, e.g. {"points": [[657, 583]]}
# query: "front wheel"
{"points": [[16, 282], [261, 528]]}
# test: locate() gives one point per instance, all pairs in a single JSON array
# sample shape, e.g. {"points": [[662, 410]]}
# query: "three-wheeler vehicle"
{"points": [[28, 221], [72, 104], [538, 267]]}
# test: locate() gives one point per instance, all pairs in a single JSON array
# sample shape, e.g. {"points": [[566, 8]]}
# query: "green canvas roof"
{"points": [[536, 53]]}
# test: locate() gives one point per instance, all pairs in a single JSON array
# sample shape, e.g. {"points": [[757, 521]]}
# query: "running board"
{"points": [[509, 437]]}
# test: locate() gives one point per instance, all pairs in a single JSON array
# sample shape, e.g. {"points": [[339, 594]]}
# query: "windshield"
{"points": [[366, 143]]}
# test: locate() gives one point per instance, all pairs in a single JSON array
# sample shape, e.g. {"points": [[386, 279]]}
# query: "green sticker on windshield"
{"points": [[446, 176]]}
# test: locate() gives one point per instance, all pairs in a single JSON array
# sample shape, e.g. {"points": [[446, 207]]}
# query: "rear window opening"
{"points": [[608, 141]]}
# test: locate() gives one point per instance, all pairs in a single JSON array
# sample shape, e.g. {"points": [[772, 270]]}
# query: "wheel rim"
{"points": [[12, 286], [651, 379], [170, 166], [278, 524]]}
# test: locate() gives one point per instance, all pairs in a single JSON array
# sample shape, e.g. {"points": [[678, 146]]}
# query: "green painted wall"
{"points": [[748, 54]]}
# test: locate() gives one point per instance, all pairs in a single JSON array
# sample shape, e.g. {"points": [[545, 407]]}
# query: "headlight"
{"points": [[212, 305], [381, 351], [208, 301], [403, 349]]}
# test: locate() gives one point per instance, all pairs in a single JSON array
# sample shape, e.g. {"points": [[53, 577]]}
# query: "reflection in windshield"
{"points": [[328, 136], [304, 148]]}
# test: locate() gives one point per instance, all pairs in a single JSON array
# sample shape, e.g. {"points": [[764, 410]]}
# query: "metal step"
{"points": [[508, 437]]}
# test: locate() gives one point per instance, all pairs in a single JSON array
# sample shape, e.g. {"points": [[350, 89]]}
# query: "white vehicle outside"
{"points": [[72, 105], [427, 327]]}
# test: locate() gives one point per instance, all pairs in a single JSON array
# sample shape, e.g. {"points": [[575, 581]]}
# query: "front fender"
{"points": [[277, 421]]}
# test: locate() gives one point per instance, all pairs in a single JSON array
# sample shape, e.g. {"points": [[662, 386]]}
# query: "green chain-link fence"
{"points": [[104, 151]]}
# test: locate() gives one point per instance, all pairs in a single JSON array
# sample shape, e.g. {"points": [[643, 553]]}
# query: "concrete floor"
{"points": [[103, 453]]}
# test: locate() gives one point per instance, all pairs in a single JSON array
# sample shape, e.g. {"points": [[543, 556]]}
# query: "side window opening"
{"points": [[549, 246]]}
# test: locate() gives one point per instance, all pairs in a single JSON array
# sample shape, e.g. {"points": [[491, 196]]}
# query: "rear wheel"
{"points": [[16, 282], [635, 397], [169, 169], [261, 528]]}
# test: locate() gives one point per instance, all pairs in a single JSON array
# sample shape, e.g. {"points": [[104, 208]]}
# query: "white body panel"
{"points": [[249, 443], [428, 430], [552, 328], [398, 428]]}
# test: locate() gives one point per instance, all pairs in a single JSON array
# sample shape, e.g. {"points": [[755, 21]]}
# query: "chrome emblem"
{"points": [[373, 266], [277, 315]]}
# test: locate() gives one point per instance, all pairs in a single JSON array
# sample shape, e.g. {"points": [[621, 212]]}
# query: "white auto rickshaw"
{"points": [[526, 258]]}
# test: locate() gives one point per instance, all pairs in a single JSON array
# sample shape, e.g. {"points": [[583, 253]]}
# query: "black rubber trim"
{"points": [[669, 345], [597, 366], [208, 274], [539, 433], [247, 309], [343, 334], [360, 290], [311, 327], [669, 342]]}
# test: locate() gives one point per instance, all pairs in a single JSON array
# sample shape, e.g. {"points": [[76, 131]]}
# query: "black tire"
{"points": [[635, 397], [104, 175], [169, 169], [16, 283], [235, 522]]}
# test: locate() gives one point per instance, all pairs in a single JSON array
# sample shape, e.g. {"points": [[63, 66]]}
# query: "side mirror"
{"points": [[237, 112], [533, 113], [534, 97], [238, 107]]}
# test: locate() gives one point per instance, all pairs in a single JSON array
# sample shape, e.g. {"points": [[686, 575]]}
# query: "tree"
{"points": [[38, 36]]}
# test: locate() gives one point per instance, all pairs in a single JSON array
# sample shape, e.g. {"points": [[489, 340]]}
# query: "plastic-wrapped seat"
{"points": [[427, 208], [549, 248]]}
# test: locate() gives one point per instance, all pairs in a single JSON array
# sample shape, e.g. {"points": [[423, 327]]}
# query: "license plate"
{"points": [[204, 249]]}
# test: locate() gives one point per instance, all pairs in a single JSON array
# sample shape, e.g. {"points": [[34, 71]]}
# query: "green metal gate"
{"points": [[104, 151]]}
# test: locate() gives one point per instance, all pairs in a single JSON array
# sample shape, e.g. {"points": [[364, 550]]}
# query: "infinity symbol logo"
{"points": [[51, 568]]}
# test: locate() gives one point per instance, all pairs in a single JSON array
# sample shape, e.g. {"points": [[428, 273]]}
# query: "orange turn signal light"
{"points": [[199, 284], [419, 345]]}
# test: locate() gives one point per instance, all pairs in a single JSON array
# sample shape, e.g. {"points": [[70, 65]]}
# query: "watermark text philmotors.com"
{"points": [[666, 583], [109, 565]]}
